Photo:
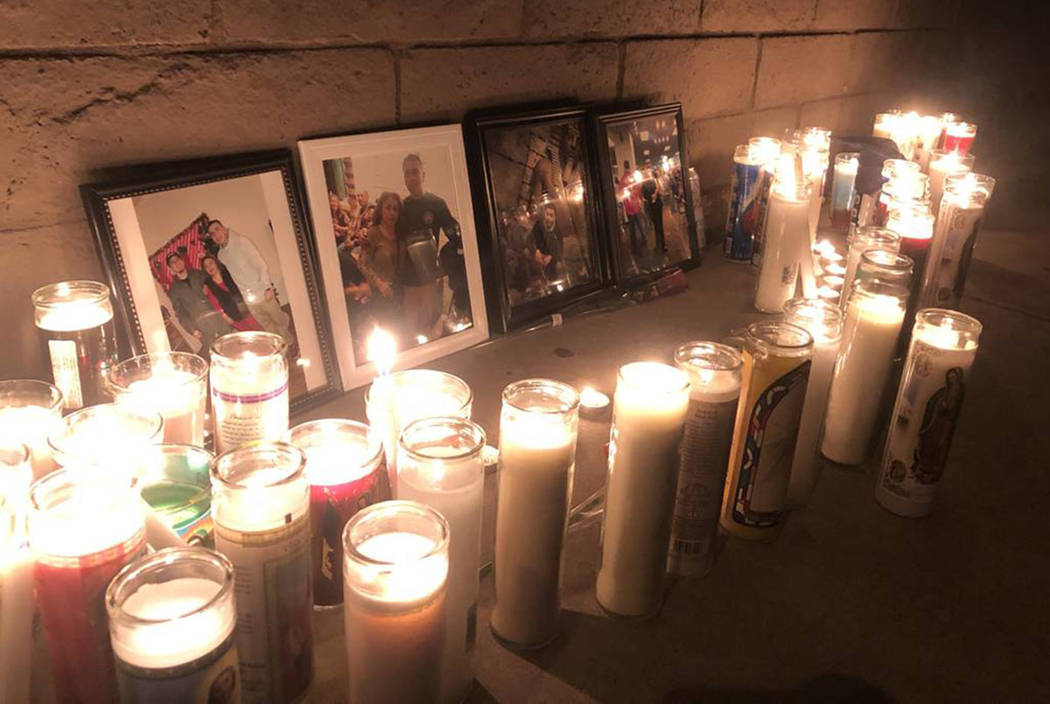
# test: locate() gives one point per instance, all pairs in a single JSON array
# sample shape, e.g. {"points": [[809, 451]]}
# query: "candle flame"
{"points": [[382, 350]]}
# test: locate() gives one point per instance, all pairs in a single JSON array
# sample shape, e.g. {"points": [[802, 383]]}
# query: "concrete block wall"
{"points": [[87, 86]]}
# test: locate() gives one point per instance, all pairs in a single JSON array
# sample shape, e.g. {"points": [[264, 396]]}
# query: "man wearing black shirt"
{"points": [[195, 313]]}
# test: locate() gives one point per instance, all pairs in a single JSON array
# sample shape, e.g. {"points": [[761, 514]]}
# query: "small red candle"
{"points": [[959, 136]]}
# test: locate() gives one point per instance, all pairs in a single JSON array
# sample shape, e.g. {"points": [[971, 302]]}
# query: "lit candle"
{"points": [[260, 506], [954, 236], [396, 569], [249, 388], [885, 124], [83, 530], [30, 411], [873, 323], [16, 574], [959, 136], [823, 321], [714, 387], [842, 188], [538, 426], [592, 402], [929, 136], [767, 150], [888, 267], [815, 167], [786, 238], [914, 223], [904, 189], [171, 625], [344, 464], [833, 281], [937, 371], [176, 484], [942, 165], [174, 384], [863, 240], [440, 465], [891, 169], [745, 200], [776, 362], [75, 322]]}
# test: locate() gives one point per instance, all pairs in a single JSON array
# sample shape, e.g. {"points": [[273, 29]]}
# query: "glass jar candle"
{"points": [[537, 457], [440, 465], [249, 388], [785, 239], [914, 223], [902, 190], [30, 411], [75, 323], [888, 267], [260, 507], [942, 165], [174, 384], [874, 315], [750, 178], [83, 530], [16, 573], [106, 438], [885, 124], [396, 565], [714, 390], [936, 373], [891, 169], [959, 136], [171, 626], [930, 129], [767, 150], [176, 484], [843, 187], [863, 240], [345, 468], [395, 400]]}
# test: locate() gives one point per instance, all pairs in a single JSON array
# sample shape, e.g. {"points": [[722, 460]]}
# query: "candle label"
{"points": [[244, 418], [211, 679], [701, 482], [956, 252], [745, 210], [274, 607], [769, 444], [66, 371], [924, 421]]}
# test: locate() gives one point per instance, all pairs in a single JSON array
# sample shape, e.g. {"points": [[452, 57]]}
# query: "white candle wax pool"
{"points": [[179, 400], [249, 389]]}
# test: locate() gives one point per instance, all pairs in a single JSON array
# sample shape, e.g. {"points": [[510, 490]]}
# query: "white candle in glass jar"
{"points": [[249, 389], [179, 397], [16, 575], [942, 165], [649, 410], [785, 240], [32, 425]]}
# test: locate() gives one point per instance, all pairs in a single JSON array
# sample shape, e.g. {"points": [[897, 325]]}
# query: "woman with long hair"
{"points": [[221, 290], [378, 260]]}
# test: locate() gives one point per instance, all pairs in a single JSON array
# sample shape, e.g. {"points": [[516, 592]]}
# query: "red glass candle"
{"points": [[914, 223], [959, 136]]}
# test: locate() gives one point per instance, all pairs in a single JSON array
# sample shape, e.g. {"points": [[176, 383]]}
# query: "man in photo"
{"points": [[195, 313], [547, 236], [252, 276]]}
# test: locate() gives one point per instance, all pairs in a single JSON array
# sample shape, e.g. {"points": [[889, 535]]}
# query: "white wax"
{"points": [[173, 642], [535, 485], [97, 517], [413, 582], [869, 340], [71, 316], [648, 415], [786, 237], [31, 425], [940, 169], [804, 466], [334, 464], [179, 399], [261, 506], [16, 624], [455, 490]]}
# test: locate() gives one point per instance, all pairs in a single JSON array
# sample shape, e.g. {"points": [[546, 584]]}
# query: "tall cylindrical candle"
{"points": [[75, 322], [176, 484], [873, 322], [776, 357], [745, 199], [785, 240], [83, 530], [440, 465], [942, 165], [174, 384], [714, 388], [959, 136], [864, 240], [930, 129], [30, 411], [344, 464], [843, 180], [931, 394], [767, 150], [395, 400], [914, 223], [260, 506], [249, 388], [537, 456], [16, 573], [954, 236], [171, 625], [396, 571], [823, 321], [649, 411]]}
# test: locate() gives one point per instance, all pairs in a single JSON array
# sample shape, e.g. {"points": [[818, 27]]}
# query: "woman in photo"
{"points": [[341, 222], [378, 260], [221, 290]]}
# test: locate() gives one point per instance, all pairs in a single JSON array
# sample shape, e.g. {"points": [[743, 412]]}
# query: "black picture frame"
{"points": [[503, 316], [122, 184], [624, 266]]}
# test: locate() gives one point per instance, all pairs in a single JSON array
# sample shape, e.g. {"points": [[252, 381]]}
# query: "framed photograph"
{"points": [[196, 250], [537, 212], [396, 243], [648, 190]]}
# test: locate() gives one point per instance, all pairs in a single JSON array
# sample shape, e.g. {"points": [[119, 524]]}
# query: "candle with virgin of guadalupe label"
{"points": [[249, 388]]}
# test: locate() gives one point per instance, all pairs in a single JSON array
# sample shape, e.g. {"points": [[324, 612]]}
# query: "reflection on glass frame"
{"points": [[396, 243], [199, 249], [537, 212], [648, 190]]}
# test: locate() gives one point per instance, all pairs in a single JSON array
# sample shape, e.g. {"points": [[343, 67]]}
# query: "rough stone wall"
{"points": [[86, 86]]}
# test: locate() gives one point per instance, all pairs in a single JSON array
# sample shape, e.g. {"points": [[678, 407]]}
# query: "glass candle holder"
{"points": [[843, 183], [649, 412], [30, 411], [785, 240], [885, 266], [902, 190], [174, 384], [954, 236], [936, 373], [171, 626], [863, 240], [943, 164], [767, 150], [930, 130], [959, 136], [16, 573], [775, 373], [750, 178], [914, 223], [823, 321], [83, 530], [874, 315], [537, 458], [345, 468], [260, 508], [176, 484], [396, 571], [249, 388], [395, 400], [714, 390], [108, 438], [75, 323], [892, 169], [440, 465]]}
